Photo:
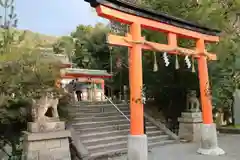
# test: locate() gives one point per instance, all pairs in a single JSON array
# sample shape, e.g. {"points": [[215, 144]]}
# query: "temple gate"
{"points": [[138, 18], [92, 81]]}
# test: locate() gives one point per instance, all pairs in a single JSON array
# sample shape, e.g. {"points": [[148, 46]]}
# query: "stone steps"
{"points": [[106, 140], [97, 118], [109, 128], [98, 113], [98, 108], [113, 152], [121, 144], [100, 105], [104, 131], [97, 135], [96, 103], [99, 123], [105, 154]]}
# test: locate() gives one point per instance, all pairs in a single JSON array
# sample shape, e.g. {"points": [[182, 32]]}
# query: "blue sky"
{"points": [[54, 17]]}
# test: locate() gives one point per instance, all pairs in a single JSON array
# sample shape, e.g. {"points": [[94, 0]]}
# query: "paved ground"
{"points": [[230, 144]]}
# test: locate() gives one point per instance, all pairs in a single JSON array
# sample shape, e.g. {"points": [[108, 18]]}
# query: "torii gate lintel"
{"points": [[171, 47]]}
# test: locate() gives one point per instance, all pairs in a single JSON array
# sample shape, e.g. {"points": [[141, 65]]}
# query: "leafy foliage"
{"points": [[29, 75], [25, 74], [215, 14], [7, 22]]}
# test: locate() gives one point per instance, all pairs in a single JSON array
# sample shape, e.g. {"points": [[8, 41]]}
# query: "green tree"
{"points": [[89, 46], [8, 23], [58, 47], [92, 45], [218, 14], [24, 76]]}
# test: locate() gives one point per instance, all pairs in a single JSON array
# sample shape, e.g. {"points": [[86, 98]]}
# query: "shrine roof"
{"points": [[86, 72], [130, 8]]}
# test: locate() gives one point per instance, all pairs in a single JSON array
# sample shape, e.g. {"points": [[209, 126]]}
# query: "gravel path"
{"points": [[230, 144]]}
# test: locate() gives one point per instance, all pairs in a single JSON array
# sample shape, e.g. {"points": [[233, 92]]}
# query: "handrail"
{"points": [[116, 107], [161, 126], [77, 149]]}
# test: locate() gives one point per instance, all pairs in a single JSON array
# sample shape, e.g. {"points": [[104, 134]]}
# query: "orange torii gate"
{"points": [[138, 18]]}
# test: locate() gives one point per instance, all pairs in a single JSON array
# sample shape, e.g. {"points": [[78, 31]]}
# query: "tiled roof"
{"points": [[85, 71]]}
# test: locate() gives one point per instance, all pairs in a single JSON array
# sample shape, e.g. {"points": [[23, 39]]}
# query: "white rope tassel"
{"points": [[177, 66], [166, 60], [188, 62], [155, 65]]}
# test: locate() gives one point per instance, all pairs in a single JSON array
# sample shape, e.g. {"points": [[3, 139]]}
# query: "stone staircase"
{"points": [[103, 130]]}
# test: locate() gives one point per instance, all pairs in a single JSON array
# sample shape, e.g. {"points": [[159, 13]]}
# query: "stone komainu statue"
{"points": [[45, 109], [193, 104]]}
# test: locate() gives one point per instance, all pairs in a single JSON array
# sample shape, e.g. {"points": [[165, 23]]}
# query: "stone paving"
{"points": [[230, 144]]}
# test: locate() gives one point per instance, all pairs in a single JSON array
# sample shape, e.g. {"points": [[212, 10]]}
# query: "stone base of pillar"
{"points": [[137, 147], [209, 142], [189, 126], [45, 146]]}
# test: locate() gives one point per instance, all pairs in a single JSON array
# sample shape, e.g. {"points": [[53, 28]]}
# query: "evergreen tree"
{"points": [[8, 23]]}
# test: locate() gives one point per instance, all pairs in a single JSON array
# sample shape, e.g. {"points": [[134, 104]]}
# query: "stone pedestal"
{"points": [[48, 127], [46, 142], [209, 142], [190, 126], [137, 147]]}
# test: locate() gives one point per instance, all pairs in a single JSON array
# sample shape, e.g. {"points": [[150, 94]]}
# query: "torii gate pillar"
{"points": [[137, 140], [209, 142]]}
